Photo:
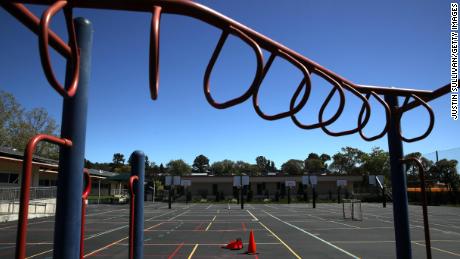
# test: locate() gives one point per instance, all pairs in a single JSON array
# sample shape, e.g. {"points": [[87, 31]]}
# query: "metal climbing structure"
{"points": [[74, 92]]}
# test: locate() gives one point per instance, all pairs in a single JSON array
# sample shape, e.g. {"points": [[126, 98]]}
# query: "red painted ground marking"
{"points": [[198, 227], [244, 226], [255, 256], [175, 251]]}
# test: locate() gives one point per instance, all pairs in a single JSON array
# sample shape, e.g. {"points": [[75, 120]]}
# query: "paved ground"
{"points": [[281, 231]]}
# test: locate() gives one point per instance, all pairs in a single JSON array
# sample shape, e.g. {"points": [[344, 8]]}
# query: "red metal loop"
{"points": [[430, 126], [154, 75], [212, 61], [294, 108], [25, 187], [336, 86], [132, 179], [387, 121], [43, 38], [360, 124], [87, 190]]}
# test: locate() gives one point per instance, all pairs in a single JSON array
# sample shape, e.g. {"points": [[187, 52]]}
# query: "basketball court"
{"points": [[280, 230]]}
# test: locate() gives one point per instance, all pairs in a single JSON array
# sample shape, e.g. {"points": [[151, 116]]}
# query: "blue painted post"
{"points": [[71, 160], [399, 184], [138, 169]]}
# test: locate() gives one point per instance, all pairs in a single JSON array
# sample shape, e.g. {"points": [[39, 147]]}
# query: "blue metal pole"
{"points": [[138, 168], [399, 184], [71, 160]]}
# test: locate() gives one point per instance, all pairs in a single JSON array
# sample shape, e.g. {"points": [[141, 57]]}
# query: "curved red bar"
{"points": [[430, 113], [212, 61], [25, 186], [387, 123], [421, 172], [154, 58], [294, 108], [132, 179], [84, 199], [44, 53], [254, 39], [321, 123]]}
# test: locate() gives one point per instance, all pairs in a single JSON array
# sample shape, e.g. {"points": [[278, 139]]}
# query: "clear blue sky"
{"points": [[387, 43]]}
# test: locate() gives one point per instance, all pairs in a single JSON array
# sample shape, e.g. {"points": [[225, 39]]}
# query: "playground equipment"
{"points": [[78, 54], [426, 228]]}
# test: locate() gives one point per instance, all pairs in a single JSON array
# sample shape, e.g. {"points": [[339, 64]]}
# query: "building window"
{"points": [[259, 189], [8, 178], [43, 182]]}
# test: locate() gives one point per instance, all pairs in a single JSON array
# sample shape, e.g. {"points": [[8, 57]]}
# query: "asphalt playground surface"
{"points": [[281, 231]]}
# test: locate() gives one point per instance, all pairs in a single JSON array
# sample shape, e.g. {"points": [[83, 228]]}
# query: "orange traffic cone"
{"points": [[252, 244]]}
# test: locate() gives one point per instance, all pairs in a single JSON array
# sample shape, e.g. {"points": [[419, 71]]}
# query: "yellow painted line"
{"points": [[282, 242], [438, 249], [210, 223], [193, 251], [254, 217], [154, 226], [105, 247], [41, 253]]}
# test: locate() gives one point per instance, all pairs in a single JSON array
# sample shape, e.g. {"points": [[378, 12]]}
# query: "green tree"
{"points": [[263, 164], [377, 162], [293, 167], [18, 126], [201, 164], [178, 167], [348, 161], [315, 163], [10, 116], [118, 159], [224, 167], [241, 167], [445, 171], [118, 164], [412, 171]]}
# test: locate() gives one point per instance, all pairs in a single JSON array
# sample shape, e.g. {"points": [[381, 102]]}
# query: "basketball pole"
{"points": [[399, 183]]}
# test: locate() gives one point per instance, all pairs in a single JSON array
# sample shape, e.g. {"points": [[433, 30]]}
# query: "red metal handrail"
{"points": [[84, 200], [132, 179], [25, 186]]}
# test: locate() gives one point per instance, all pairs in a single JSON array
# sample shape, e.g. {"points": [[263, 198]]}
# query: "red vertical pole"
{"points": [[132, 179], [84, 199], [25, 187]]}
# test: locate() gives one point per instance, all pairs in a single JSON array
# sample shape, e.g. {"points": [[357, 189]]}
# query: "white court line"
{"points": [[271, 207], [254, 217], [178, 215], [154, 217], [99, 213], [29, 224], [314, 236], [437, 249], [378, 217], [95, 235], [209, 206]]}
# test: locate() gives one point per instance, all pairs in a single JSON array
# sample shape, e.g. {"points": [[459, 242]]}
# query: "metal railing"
{"points": [[121, 192], [12, 194]]}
